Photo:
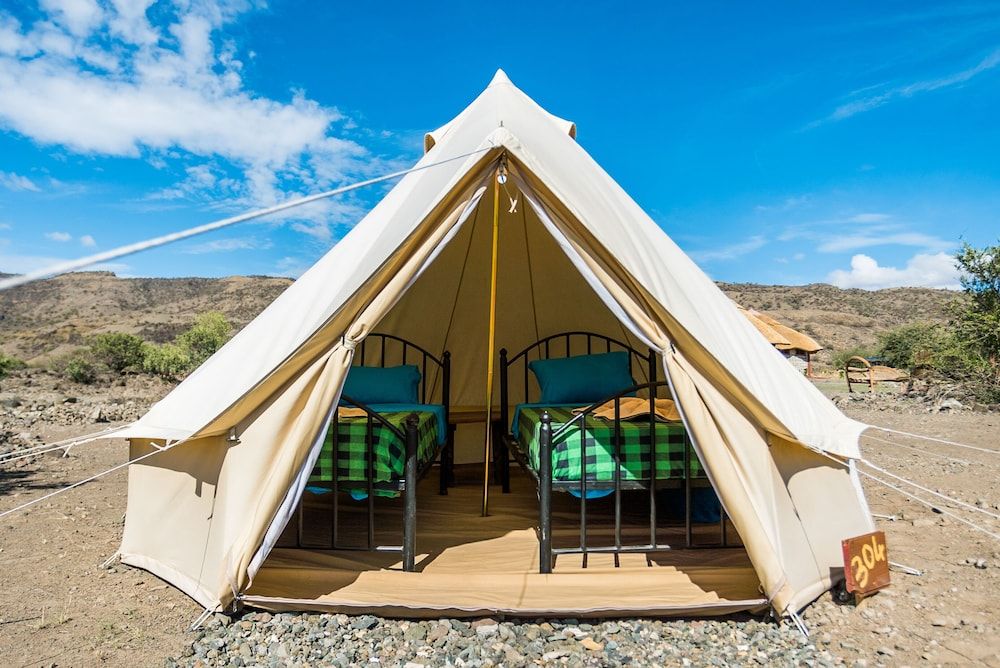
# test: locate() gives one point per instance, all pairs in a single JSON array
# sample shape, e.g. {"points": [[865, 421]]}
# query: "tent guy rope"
{"points": [[957, 502], [130, 249], [930, 505], [92, 478], [936, 440], [64, 444], [925, 502], [920, 450]]}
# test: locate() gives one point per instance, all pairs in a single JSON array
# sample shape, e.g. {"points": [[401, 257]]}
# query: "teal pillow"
{"points": [[383, 385], [582, 378]]}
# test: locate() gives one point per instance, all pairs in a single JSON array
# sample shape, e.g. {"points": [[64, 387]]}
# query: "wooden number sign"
{"points": [[866, 563]]}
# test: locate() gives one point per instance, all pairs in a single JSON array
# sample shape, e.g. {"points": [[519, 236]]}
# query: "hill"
{"points": [[48, 318], [842, 319]]}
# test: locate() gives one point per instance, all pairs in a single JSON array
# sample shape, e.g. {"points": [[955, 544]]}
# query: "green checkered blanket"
{"points": [[390, 451], [599, 436]]}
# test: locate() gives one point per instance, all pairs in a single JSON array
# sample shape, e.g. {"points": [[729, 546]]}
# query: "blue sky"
{"points": [[853, 143]]}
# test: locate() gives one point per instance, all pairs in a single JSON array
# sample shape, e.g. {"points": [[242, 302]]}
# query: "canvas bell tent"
{"points": [[558, 247]]}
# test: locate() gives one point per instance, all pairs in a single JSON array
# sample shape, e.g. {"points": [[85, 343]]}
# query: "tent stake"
{"points": [[488, 442]]}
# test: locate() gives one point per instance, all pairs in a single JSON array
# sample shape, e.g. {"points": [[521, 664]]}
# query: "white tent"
{"points": [[577, 253]]}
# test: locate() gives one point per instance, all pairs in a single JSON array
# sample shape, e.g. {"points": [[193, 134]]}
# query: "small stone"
{"points": [[487, 630], [364, 622], [437, 633], [591, 644]]}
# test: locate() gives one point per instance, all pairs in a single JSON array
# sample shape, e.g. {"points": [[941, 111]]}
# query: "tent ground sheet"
{"points": [[470, 565]]}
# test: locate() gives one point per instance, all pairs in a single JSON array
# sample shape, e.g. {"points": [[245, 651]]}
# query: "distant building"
{"points": [[796, 346]]}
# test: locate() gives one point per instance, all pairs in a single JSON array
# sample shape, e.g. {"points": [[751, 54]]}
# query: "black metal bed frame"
{"points": [[543, 477], [412, 472]]}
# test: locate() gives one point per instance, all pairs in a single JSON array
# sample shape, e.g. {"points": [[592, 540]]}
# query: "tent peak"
{"points": [[500, 78], [501, 101]]}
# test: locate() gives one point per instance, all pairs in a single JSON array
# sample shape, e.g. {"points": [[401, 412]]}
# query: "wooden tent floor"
{"points": [[470, 565]]}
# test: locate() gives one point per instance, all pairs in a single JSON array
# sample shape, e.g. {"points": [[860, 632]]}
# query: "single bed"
{"points": [[584, 427], [635, 452], [383, 437]]}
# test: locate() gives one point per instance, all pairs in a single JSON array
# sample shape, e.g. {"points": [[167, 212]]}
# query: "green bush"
{"points": [[168, 360], [80, 370], [118, 350], [915, 346], [209, 332], [8, 364], [978, 315]]}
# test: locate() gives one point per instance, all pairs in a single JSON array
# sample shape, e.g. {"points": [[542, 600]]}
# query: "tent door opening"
{"points": [[542, 301]]}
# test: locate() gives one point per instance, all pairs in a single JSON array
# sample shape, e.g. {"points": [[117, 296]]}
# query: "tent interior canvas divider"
{"points": [[574, 253]]}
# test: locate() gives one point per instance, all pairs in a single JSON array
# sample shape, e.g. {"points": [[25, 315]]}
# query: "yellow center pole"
{"points": [[488, 443]]}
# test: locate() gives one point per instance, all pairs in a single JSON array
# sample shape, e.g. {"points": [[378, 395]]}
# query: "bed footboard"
{"points": [[383, 350]]}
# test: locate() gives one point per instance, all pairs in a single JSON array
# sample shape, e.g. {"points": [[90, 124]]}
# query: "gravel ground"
{"points": [[263, 639]]}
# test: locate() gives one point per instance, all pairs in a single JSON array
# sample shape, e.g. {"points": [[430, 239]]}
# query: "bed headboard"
{"points": [[384, 350], [567, 344]]}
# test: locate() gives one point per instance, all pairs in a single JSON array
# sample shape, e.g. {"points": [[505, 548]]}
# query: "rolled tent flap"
{"points": [[221, 498], [363, 324], [754, 480], [197, 512]]}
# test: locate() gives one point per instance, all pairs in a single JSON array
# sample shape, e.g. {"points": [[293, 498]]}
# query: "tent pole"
{"points": [[488, 441]]}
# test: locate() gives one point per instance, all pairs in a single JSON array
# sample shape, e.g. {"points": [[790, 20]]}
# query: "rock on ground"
{"points": [[288, 639]]}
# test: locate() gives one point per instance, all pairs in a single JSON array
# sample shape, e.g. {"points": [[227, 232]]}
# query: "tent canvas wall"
{"points": [[244, 428]]}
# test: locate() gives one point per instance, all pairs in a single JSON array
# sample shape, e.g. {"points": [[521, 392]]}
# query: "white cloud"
{"points": [[292, 267], [78, 16], [855, 107], [87, 241], [936, 270], [787, 204], [61, 237], [843, 243], [22, 263], [228, 245], [12, 181], [730, 252], [163, 93], [869, 217]]}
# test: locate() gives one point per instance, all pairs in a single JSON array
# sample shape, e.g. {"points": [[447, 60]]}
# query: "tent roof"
{"points": [[794, 339], [779, 335], [772, 335], [707, 326]]}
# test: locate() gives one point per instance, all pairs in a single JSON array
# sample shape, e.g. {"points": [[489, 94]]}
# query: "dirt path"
{"points": [[58, 606], [948, 615]]}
